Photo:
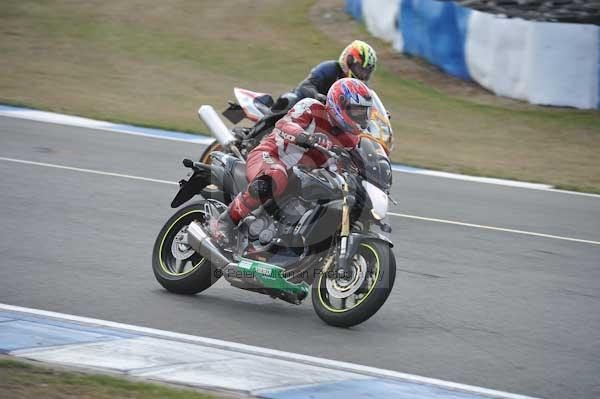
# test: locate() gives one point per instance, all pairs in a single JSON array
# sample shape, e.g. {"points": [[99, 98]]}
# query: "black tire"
{"points": [[366, 307], [205, 157], [201, 274]]}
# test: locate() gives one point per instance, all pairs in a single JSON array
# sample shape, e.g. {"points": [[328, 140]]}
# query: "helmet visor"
{"points": [[360, 72], [359, 114]]}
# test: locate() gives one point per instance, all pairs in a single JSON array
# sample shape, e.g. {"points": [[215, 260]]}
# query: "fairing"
{"points": [[374, 164], [255, 105], [379, 126]]}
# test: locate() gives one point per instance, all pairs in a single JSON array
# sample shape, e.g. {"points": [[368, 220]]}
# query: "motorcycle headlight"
{"points": [[376, 215], [378, 198]]}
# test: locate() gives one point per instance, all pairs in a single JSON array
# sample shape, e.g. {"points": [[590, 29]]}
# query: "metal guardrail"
{"points": [[574, 11]]}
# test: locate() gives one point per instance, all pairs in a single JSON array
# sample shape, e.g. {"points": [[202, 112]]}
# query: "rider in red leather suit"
{"points": [[339, 122]]}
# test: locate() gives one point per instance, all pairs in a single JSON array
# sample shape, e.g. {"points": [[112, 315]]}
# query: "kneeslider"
{"points": [[262, 188]]}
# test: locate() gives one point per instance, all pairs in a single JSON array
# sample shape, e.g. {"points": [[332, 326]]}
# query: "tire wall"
{"points": [[539, 62]]}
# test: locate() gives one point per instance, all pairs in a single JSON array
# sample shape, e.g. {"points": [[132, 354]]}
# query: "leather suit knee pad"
{"points": [[261, 188]]}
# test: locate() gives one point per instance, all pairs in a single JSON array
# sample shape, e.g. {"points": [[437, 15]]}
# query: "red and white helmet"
{"points": [[349, 104]]}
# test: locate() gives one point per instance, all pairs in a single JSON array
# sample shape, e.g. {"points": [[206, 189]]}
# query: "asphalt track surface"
{"points": [[496, 309]]}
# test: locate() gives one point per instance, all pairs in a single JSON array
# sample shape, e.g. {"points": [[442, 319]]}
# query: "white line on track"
{"points": [[96, 172], [273, 353], [402, 215], [76, 121], [479, 226]]}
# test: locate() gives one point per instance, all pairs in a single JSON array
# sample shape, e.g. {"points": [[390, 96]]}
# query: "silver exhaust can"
{"points": [[215, 124], [200, 241]]}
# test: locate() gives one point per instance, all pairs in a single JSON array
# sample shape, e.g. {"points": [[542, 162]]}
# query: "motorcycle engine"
{"points": [[290, 214], [261, 229]]}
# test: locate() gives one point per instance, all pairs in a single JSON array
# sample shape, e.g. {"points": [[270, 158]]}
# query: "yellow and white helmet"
{"points": [[358, 60]]}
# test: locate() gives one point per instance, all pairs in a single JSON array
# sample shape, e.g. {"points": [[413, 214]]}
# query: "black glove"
{"points": [[320, 139], [309, 140]]}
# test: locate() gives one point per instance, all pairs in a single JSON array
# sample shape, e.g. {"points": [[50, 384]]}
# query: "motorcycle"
{"points": [[319, 238], [264, 112]]}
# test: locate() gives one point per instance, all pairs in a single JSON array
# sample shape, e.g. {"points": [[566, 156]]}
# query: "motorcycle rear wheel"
{"points": [[375, 282], [205, 157], [177, 267]]}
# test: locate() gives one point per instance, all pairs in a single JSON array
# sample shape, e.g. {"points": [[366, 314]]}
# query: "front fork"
{"points": [[344, 232]]}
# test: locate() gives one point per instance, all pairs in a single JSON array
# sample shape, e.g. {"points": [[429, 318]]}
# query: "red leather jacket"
{"points": [[307, 116]]}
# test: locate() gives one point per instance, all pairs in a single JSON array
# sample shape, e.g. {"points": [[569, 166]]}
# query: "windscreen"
{"points": [[374, 164], [379, 123]]}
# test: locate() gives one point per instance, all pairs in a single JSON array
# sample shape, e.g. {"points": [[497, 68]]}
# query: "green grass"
{"points": [[23, 380], [152, 63]]}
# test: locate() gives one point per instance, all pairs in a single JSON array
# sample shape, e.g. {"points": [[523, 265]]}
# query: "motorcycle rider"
{"points": [[357, 60], [338, 122]]}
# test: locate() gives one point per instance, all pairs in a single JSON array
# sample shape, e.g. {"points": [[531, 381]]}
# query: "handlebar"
{"points": [[326, 151], [303, 140], [196, 166], [338, 154]]}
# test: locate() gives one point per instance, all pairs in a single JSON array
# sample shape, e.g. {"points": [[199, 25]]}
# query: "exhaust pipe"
{"points": [[247, 279], [201, 243], [215, 124]]}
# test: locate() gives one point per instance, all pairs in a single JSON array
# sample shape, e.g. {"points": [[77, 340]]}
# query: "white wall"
{"points": [[380, 18], [540, 62]]}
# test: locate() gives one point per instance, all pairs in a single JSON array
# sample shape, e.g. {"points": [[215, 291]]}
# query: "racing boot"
{"points": [[223, 228]]}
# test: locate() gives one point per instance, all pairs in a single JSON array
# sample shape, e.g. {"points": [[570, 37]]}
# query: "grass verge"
{"points": [[152, 63], [19, 380]]}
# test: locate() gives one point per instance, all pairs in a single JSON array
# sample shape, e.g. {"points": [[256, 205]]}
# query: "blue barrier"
{"points": [[540, 62], [354, 8], [436, 31]]}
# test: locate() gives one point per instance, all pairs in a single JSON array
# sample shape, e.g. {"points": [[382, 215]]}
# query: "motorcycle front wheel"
{"points": [[350, 299]]}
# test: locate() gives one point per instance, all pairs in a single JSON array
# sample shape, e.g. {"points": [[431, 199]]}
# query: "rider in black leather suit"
{"points": [[358, 60]]}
